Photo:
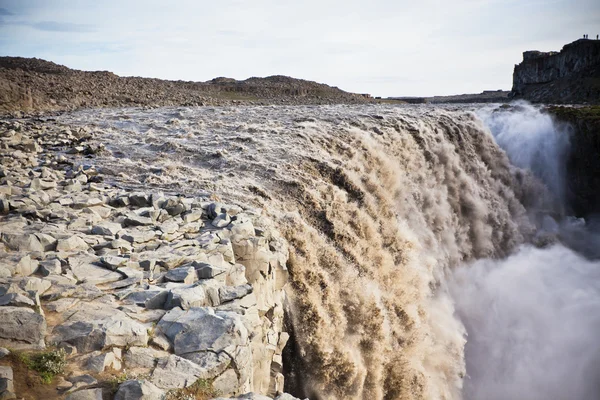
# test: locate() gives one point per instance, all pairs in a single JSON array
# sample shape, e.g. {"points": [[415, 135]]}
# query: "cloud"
{"points": [[4, 11], [55, 26]]}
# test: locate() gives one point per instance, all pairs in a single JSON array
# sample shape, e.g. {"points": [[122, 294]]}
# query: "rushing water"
{"points": [[411, 231]]}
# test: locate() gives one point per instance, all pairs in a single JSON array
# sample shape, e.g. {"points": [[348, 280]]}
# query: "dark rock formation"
{"points": [[583, 163], [569, 76], [30, 84]]}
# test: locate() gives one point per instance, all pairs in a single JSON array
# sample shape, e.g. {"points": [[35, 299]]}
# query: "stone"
{"points": [[6, 381], [139, 390], [214, 364], [175, 372], [96, 329], [106, 229], [136, 220], [73, 243], [86, 394], [3, 352], [236, 275], [85, 271], [181, 274], [143, 357], [113, 262], [207, 271], [140, 200], [17, 300], [229, 293], [47, 241], [226, 383], [40, 184], [138, 236], [202, 329], [214, 209], [26, 266], [98, 362], [186, 297], [22, 242], [221, 221], [50, 267], [62, 305], [22, 328]]}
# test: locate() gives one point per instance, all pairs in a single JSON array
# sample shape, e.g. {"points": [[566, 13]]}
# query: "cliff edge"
{"points": [[569, 76]]}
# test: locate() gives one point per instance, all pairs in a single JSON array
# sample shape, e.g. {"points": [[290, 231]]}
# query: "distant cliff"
{"points": [[569, 76]]}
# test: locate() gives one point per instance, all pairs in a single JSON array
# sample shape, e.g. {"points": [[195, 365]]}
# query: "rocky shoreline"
{"points": [[144, 295]]}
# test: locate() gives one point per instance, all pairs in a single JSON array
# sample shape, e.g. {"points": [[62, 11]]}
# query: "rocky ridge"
{"points": [[569, 76], [165, 290], [30, 84]]}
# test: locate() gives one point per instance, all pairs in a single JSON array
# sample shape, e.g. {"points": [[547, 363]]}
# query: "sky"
{"points": [[381, 47]]}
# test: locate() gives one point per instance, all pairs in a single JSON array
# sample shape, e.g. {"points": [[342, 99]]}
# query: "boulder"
{"points": [[143, 357], [22, 328], [186, 297], [24, 242], [176, 372], [202, 329]]}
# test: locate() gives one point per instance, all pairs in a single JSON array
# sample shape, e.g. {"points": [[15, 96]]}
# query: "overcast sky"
{"points": [[382, 47]]}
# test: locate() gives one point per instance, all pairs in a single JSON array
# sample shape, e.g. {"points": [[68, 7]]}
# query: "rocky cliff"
{"points": [[569, 76], [30, 84], [583, 166]]}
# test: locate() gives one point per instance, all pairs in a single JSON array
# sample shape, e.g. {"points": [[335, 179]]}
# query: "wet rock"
{"points": [[22, 328], [139, 390]]}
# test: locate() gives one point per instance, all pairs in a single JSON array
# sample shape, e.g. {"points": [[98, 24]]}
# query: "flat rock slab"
{"points": [[22, 328], [202, 329], [85, 271]]}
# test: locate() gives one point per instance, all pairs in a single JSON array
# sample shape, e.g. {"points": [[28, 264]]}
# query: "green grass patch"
{"points": [[47, 364]]}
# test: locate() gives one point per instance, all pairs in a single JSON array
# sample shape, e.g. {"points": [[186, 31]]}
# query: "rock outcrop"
{"points": [[167, 287], [30, 84], [583, 164], [569, 76]]}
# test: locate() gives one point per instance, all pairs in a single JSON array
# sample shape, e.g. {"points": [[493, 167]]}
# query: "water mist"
{"points": [[533, 318]]}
